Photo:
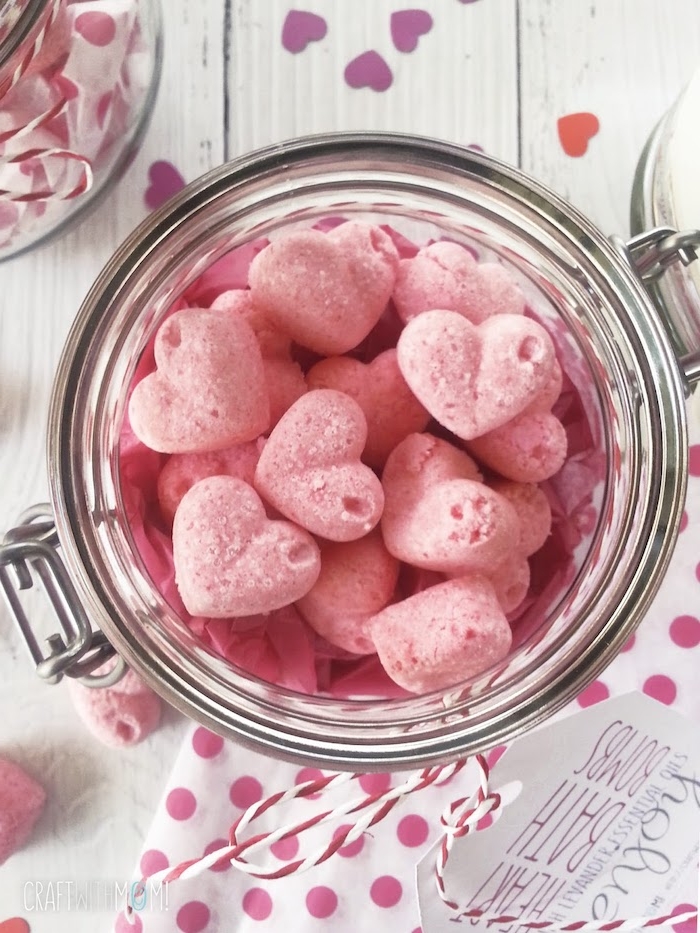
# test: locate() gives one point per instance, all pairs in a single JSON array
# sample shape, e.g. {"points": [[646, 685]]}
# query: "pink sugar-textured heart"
{"points": [[369, 70], [231, 560], [208, 391], [326, 290], [310, 467], [391, 409], [165, 181], [300, 28], [438, 515], [473, 379], [407, 26], [445, 275]]}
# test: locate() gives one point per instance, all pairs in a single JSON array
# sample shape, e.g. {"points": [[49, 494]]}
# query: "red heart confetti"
{"points": [[575, 130]]}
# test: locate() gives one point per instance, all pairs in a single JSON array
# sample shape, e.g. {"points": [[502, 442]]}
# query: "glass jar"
{"points": [[585, 289], [77, 85]]}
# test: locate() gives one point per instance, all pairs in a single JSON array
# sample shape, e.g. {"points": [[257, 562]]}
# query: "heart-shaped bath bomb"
{"points": [[357, 579], [446, 276], [182, 471], [436, 516], [326, 290], [310, 468], [473, 379], [119, 716], [529, 449], [21, 802], [231, 560], [391, 409], [442, 635], [533, 510], [208, 391], [283, 376]]}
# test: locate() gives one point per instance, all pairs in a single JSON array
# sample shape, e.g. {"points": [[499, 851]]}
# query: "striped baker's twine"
{"points": [[9, 82], [85, 180], [374, 807], [458, 819]]}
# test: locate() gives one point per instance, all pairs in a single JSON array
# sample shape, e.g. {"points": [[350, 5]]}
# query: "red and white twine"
{"points": [[458, 819], [9, 82], [41, 154]]}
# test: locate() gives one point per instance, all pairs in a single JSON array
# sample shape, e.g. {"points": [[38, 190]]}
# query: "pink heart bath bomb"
{"points": [[446, 276], [310, 468], [442, 635], [208, 391], [326, 290], [231, 560], [391, 409], [438, 515], [474, 379]]}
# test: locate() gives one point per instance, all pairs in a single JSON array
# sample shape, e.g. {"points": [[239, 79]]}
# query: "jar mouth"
{"points": [[604, 317]]}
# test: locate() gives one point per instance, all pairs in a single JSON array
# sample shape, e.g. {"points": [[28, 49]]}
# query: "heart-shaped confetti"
{"points": [[165, 181], [369, 70], [407, 26], [300, 28], [575, 131]]}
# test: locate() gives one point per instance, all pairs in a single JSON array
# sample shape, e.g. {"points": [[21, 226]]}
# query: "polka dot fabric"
{"points": [[372, 878]]}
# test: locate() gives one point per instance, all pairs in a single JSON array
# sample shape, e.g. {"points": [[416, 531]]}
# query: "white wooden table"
{"points": [[498, 73]]}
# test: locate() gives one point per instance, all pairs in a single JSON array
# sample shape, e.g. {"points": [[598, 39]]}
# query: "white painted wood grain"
{"points": [[459, 83], [626, 61], [100, 802]]}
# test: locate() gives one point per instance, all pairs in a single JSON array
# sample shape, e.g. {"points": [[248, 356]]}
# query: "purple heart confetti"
{"points": [[407, 26], [369, 70], [300, 28], [165, 181]]}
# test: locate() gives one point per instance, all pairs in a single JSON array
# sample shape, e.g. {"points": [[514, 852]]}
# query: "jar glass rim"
{"points": [[398, 157]]}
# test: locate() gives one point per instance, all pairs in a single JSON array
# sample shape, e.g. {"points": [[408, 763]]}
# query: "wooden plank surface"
{"points": [[625, 62], [100, 801], [499, 73], [460, 83]]}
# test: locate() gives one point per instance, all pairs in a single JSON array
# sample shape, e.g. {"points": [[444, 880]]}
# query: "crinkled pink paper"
{"points": [[280, 647]]}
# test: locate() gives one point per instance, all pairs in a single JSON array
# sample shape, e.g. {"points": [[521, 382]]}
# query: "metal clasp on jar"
{"points": [[658, 255], [28, 554]]}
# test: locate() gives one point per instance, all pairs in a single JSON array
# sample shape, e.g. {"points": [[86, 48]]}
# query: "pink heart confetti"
{"points": [[369, 70], [407, 26], [165, 181], [300, 28]]}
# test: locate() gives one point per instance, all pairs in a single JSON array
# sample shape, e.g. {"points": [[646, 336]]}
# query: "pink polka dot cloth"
{"points": [[369, 884]]}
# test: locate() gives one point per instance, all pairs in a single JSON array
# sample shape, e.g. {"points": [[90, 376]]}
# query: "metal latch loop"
{"points": [[29, 554], [653, 251]]}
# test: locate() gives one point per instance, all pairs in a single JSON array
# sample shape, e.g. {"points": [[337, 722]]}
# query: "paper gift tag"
{"points": [[605, 825]]}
